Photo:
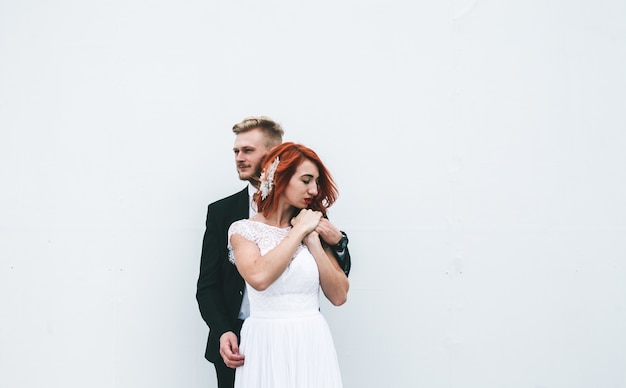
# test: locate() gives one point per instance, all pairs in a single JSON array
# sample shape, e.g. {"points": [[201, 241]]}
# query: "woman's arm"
{"points": [[333, 280], [260, 271]]}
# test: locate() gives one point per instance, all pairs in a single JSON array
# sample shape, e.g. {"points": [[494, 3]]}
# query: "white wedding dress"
{"points": [[286, 340]]}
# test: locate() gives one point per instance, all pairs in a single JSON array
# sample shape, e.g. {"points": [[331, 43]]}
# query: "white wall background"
{"points": [[479, 147]]}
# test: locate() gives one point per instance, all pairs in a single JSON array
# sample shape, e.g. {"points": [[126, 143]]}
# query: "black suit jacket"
{"points": [[220, 286]]}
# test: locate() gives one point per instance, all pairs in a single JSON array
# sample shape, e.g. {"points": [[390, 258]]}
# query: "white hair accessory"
{"points": [[267, 181]]}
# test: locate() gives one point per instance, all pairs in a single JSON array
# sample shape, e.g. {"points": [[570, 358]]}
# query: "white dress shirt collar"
{"points": [[251, 204]]}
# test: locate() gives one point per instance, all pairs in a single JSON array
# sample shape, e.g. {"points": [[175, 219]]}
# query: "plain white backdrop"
{"points": [[478, 147]]}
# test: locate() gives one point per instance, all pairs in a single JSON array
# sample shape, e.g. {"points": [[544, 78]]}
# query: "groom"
{"points": [[221, 292]]}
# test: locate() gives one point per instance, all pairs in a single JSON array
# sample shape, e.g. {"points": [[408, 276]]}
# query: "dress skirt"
{"points": [[288, 352]]}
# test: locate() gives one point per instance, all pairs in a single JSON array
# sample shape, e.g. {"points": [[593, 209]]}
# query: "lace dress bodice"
{"points": [[296, 291]]}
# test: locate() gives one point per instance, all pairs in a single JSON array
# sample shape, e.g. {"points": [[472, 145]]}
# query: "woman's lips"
{"points": [[307, 201]]}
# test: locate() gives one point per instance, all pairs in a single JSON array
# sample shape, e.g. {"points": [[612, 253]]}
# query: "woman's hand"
{"points": [[312, 240], [307, 219]]}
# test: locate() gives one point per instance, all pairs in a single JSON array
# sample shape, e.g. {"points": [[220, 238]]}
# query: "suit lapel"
{"points": [[242, 206]]}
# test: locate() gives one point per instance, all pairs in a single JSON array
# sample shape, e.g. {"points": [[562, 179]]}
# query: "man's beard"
{"points": [[254, 178]]}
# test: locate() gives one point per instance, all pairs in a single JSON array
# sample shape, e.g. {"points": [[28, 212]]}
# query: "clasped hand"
{"points": [[308, 220], [322, 227]]}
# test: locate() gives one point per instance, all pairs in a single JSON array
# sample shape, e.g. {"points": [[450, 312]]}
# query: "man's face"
{"points": [[249, 151]]}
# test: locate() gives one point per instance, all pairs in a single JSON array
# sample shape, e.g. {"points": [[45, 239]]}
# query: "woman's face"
{"points": [[302, 186]]}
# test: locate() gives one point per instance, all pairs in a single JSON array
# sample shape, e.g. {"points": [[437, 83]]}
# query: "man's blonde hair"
{"points": [[272, 130]]}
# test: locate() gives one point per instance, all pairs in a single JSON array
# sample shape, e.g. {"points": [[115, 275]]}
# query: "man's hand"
{"points": [[229, 350], [329, 232]]}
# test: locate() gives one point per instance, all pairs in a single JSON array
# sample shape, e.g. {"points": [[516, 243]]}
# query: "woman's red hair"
{"points": [[292, 155]]}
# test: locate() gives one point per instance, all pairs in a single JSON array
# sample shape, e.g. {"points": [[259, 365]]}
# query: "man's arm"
{"points": [[342, 254], [209, 292], [338, 242]]}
